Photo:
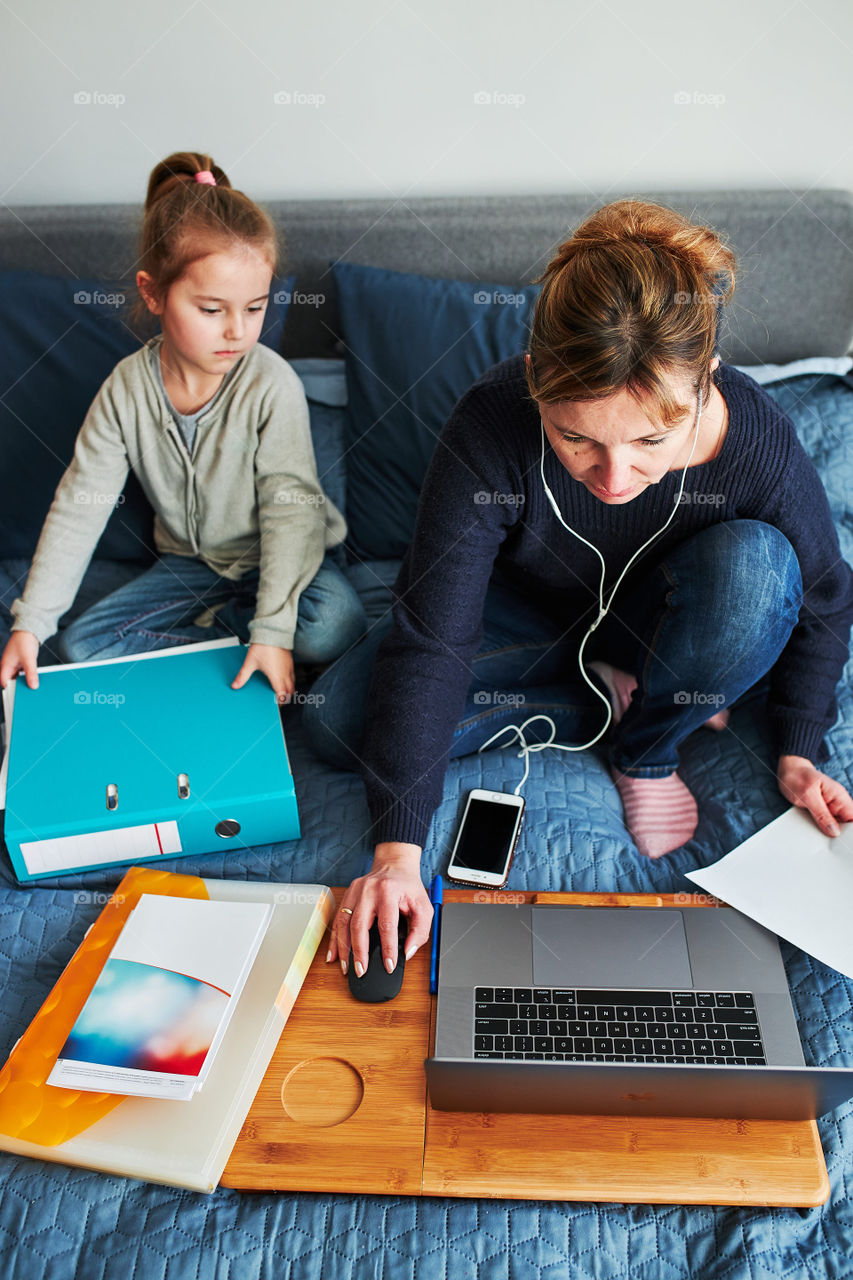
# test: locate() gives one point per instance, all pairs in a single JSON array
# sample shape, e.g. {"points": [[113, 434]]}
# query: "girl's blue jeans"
{"points": [[158, 610], [698, 629]]}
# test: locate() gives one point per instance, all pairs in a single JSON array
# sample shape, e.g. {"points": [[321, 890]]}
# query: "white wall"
{"points": [[604, 96]]}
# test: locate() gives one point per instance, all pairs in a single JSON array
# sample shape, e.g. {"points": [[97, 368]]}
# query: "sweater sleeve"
{"points": [[802, 702], [82, 504], [423, 667], [292, 513]]}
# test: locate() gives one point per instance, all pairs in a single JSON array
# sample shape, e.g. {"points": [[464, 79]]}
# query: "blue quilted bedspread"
{"points": [[58, 1222]]}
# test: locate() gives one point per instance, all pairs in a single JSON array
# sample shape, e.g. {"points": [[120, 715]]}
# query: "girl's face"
{"points": [[214, 312], [613, 448]]}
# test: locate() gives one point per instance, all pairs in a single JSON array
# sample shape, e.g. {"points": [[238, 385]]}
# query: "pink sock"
{"points": [[660, 813], [620, 686]]}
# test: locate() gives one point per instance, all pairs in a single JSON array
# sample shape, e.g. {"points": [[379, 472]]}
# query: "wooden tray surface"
{"points": [[344, 1107]]}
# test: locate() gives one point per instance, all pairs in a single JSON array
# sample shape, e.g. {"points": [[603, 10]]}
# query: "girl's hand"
{"points": [[392, 886], [275, 663], [20, 656], [804, 785]]}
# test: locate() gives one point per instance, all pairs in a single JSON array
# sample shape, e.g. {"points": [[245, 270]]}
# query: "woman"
{"points": [[619, 441]]}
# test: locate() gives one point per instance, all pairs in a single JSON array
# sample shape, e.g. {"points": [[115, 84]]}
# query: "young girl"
{"points": [[216, 428]]}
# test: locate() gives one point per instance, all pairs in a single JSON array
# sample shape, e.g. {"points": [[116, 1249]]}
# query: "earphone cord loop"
{"points": [[527, 748]]}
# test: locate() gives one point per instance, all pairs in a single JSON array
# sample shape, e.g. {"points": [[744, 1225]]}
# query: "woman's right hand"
{"points": [[20, 655], [392, 887]]}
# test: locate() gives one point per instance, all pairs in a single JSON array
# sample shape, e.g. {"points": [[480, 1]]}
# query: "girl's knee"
{"points": [[69, 645], [331, 631], [82, 642]]}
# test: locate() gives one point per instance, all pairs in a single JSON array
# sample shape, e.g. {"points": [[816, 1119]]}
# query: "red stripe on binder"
{"points": [[157, 834]]}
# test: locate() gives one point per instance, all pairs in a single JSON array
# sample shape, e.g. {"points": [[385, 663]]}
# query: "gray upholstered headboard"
{"points": [[795, 251]]}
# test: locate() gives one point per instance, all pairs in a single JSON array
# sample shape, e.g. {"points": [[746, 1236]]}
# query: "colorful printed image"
{"points": [[148, 1019]]}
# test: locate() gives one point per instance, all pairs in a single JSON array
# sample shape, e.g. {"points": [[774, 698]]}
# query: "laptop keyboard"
{"points": [[574, 1025]]}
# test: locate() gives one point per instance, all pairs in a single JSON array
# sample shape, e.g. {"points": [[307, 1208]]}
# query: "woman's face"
{"points": [[613, 447]]}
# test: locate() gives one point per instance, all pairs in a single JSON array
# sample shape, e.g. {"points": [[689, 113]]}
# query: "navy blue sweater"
{"points": [[491, 444]]}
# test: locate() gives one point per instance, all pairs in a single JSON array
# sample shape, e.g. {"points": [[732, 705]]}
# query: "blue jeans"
{"points": [[158, 611], [697, 629]]}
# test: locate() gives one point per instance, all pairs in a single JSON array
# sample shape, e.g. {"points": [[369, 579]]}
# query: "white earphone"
{"points": [[602, 611]]}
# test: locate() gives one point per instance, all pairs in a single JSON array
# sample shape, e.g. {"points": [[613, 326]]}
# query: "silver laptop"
{"points": [[619, 1011]]}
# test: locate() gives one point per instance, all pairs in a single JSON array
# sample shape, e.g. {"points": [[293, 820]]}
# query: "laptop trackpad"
{"points": [[610, 947]]}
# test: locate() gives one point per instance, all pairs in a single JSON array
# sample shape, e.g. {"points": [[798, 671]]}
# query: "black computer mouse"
{"points": [[376, 984]]}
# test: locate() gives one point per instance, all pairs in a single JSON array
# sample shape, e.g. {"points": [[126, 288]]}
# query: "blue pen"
{"points": [[436, 891]]}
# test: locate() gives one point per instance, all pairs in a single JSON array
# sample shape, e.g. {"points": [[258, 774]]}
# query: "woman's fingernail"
{"points": [[344, 967], [832, 829], [389, 965], [328, 955], [358, 969], [411, 951]]}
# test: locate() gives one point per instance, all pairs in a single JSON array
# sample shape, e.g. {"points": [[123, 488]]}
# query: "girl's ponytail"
{"points": [[182, 167]]}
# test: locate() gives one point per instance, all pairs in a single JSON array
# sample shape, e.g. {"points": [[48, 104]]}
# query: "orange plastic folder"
{"points": [[177, 1142]]}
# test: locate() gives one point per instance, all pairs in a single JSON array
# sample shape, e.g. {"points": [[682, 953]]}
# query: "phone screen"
{"points": [[486, 836]]}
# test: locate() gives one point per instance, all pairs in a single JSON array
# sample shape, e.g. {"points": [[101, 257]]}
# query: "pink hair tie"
{"points": [[206, 177]]}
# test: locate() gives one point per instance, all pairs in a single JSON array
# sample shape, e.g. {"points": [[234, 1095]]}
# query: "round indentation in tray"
{"points": [[321, 1092]]}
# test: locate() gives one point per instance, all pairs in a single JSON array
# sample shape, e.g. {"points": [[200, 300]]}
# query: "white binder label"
{"points": [[96, 847]]}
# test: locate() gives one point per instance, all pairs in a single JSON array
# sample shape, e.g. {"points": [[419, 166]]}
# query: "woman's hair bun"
{"points": [[696, 249], [636, 293]]}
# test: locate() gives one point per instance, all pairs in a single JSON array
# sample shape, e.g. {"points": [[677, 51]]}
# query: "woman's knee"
{"points": [[333, 738], [750, 568], [334, 719]]}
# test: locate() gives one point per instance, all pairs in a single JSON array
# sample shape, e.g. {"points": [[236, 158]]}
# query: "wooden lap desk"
{"points": [[344, 1107]]}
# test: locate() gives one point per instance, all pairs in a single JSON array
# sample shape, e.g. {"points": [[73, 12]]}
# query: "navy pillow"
{"points": [[413, 346], [60, 339]]}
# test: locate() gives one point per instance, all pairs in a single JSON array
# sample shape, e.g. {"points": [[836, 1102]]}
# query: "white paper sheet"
{"points": [[794, 880]]}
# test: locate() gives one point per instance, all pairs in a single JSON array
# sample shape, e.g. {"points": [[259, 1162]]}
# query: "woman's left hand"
{"points": [[275, 663], [804, 785]]}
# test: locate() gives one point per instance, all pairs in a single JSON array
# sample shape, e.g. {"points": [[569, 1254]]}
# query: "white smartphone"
{"points": [[486, 841]]}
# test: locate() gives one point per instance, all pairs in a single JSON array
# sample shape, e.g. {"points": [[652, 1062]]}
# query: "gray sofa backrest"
{"points": [[795, 251]]}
